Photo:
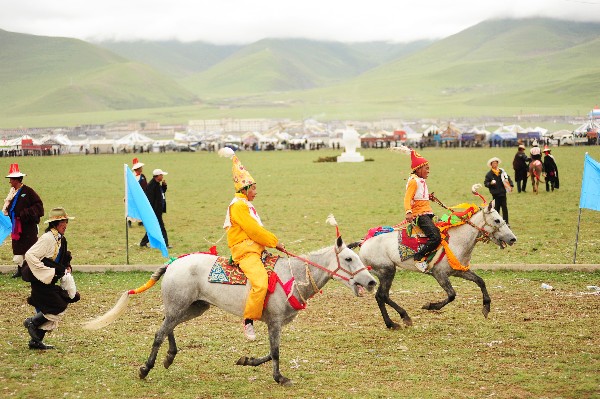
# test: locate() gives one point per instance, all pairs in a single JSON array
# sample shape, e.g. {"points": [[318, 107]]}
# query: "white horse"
{"points": [[382, 254], [187, 293]]}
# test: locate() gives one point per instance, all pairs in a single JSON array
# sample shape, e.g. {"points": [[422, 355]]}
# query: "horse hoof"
{"points": [[285, 382], [242, 361], [407, 322], [485, 312], [393, 326], [168, 362], [143, 372]]}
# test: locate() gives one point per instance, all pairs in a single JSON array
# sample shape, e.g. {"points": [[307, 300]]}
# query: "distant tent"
{"points": [[134, 138]]}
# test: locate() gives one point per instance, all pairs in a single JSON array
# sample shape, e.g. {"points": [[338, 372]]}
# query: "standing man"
{"points": [[141, 178], [499, 183], [551, 170], [25, 208], [155, 191], [521, 168]]}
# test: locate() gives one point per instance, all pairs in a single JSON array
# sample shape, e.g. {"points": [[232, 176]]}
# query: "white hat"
{"points": [[489, 162], [158, 172], [136, 164], [14, 171], [535, 151]]}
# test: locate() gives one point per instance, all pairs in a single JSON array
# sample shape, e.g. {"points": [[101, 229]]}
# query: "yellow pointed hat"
{"points": [[241, 176]]}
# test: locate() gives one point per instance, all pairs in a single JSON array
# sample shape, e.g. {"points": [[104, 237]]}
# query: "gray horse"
{"points": [[381, 253], [187, 293]]}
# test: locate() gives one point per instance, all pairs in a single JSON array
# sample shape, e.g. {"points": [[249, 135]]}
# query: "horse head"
{"points": [[496, 228], [350, 270]]}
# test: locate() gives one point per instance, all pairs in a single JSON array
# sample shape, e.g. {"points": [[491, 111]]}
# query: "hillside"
{"points": [[496, 68], [43, 75], [497, 64], [172, 58]]}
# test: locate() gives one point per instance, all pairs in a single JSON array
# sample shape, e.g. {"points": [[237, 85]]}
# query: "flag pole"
{"points": [[126, 225], [577, 237]]}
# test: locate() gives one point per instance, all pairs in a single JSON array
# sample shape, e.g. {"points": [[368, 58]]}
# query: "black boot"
{"points": [[32, 325], [33, 344], [17, 273]]}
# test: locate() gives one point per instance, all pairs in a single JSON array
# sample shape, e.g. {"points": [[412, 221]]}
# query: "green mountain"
{"points": [[283, 65], [172, 58], [495, 67], [44, 75]]}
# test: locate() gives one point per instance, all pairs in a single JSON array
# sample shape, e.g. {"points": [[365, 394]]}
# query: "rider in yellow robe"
{"points": [[247, 239]]}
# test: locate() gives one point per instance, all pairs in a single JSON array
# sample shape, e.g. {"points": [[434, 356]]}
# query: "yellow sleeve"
{"points": [[240, 214], [411, 189]]}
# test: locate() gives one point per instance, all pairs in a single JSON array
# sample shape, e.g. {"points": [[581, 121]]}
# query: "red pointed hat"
{"points": [[14, 171], [416, 160]]}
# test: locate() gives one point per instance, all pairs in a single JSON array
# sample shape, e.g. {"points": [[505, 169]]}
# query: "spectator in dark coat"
{"points": [[24, 208], [499, 183], [550, 170], [157, 187], [521, 168]]}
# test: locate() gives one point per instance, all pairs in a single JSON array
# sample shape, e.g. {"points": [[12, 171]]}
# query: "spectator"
{"points": [[155, 191], [25, 208]]}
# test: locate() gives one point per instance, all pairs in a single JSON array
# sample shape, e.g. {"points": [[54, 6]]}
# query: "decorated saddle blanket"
{"points": [[224, 271]]}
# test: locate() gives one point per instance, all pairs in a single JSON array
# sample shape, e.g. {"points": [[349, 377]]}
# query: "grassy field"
{"points": [[295, 195], [535, 344]]}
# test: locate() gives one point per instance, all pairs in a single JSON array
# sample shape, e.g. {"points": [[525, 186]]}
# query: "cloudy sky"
{"points": [[243, 21]]}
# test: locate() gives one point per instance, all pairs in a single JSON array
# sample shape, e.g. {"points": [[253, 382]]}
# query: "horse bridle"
{"points": [[487, 235], [326, 270]]}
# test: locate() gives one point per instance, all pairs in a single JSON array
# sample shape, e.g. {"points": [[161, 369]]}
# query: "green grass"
{"points": [[535, 343], [295, 195]]}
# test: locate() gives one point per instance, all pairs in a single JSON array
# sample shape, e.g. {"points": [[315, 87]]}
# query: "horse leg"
{"points": [[444, 282], [165, 329], [171, 352], [471, 276], [195, 310], [382, 296]]}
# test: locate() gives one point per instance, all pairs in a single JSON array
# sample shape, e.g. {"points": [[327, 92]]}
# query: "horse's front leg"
{"points": [[386, 277], [444, 282], [471, 276], [274, 339]]}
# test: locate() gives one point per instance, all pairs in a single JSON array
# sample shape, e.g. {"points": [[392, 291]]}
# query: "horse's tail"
{"points": [[121, 305], [355, 244]]}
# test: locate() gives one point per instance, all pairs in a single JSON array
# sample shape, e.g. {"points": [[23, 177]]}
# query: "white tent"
{"points": [[134, 138]]}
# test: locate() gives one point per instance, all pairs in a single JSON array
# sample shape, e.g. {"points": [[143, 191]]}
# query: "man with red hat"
{"points": [[418, 208], [24, 208], [550, 170]]}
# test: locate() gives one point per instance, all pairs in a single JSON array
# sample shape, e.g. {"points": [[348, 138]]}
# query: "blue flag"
{"points": [[590, 185], [5, 226], [137, 206]]}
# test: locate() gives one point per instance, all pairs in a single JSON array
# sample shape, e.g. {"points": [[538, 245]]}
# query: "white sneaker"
{"points": [[422, 266], [249, 332]]}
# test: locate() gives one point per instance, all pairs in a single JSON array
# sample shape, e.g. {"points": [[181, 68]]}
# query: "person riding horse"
{"points": [[247, 239]]}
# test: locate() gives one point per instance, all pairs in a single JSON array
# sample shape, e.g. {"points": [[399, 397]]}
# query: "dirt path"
{"points": [[513, 266]]}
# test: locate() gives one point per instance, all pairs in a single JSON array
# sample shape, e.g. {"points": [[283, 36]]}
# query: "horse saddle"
{"points": [[224, 271]]}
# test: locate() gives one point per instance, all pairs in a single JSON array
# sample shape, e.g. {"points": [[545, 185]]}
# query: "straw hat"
{"points": [[535, 151], [241, 176], [14, 171], [547, 149], [489, 162], [57, 214]]}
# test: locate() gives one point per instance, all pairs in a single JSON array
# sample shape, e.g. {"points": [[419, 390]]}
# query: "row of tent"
{"points": [[308, 137]]}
